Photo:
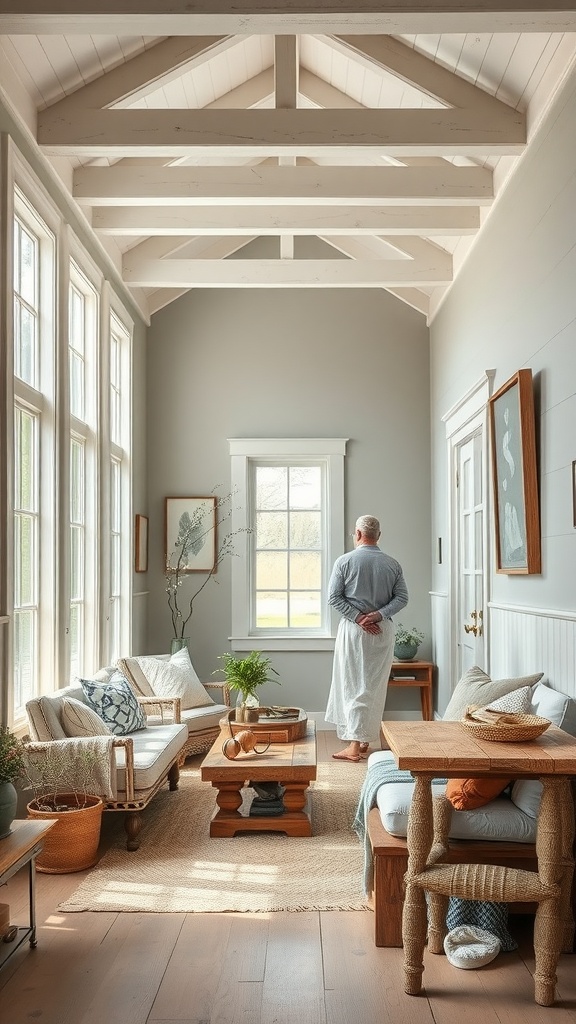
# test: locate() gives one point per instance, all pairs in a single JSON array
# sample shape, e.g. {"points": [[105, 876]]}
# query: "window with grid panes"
{"points": [[33, 446], [119, 490], [291, 504]]}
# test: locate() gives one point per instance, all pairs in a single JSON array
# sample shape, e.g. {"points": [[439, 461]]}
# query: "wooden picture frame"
{"points": [[514, 476], [192, 521], [141, 544]]}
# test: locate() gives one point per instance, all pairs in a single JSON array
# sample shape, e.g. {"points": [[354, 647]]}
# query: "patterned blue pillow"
{"points": [[492, 917], [116, 704]]}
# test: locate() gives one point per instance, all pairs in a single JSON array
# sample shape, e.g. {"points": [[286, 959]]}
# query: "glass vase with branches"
{"points": [[193, 529]]}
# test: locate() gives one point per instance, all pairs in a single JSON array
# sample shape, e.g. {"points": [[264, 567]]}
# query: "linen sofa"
{"points": [[142, 760], [173, 677], [501, 831]]}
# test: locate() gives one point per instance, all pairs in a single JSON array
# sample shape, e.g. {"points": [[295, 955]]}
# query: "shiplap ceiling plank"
{"points": [[446, 185], [256, 16]]}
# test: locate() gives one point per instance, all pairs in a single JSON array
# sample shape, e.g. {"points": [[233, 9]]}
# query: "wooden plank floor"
{"points": [[313, 968]]}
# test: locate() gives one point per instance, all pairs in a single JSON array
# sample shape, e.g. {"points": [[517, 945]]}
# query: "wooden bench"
{"points": [[391, 861]]}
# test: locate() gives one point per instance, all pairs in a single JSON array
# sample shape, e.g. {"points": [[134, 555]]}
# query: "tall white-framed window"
{"points": [[289, 498], [120, 539], [34, 329], [83, 311]]}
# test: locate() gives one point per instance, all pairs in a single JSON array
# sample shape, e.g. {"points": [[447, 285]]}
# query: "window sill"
{"points": [[282, 643]]}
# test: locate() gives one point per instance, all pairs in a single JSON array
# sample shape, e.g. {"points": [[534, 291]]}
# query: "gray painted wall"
{"points": [[513, 306], [283, 363]]}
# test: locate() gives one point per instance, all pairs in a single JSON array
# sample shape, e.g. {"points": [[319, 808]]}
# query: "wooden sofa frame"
{"points": [[390, 855]]}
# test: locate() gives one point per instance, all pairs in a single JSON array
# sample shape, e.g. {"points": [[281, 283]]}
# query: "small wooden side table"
{"points": [[422, 673], [434, 749], [16, 850]]}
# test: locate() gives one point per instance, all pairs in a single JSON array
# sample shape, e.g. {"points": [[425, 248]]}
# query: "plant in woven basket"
{"points": [[63, 778]]}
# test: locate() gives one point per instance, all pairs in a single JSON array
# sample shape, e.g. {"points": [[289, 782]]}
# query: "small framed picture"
{"points": [[190, 534], [141, 544]]}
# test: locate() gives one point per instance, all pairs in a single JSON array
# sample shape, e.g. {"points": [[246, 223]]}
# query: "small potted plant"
{"points": [[245, 675], [406, 642], [11, 769]]}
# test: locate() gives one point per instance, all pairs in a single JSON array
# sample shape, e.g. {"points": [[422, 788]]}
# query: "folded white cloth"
{"points": [[79, 764], [469, 946]]}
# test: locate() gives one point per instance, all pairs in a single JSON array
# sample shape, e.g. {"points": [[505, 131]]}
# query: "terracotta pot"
{"points": [[72, 845]]}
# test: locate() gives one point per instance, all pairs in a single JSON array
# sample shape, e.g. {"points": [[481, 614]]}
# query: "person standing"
{"points": [[367, 587]]}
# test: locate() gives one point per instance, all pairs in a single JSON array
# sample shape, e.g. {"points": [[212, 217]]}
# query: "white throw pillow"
{"points": [[559, 709], [175, 678], [476, 687], [80, 720]]}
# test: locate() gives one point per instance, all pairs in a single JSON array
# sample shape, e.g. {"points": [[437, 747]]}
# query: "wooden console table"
{"points": [[423, 672], [434, 749], [16, 850]]}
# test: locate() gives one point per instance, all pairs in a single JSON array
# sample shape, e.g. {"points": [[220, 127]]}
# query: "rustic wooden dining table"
{"points": [[447, 749]]}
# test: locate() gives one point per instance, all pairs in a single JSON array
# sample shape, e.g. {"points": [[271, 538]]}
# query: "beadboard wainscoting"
{"points": [[526, 640]]}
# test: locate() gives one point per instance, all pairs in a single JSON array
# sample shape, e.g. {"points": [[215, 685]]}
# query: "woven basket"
{"points": [[72, 845], [505, 728]]}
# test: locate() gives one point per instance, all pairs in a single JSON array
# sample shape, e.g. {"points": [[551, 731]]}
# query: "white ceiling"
{"points": [[182, 149]]}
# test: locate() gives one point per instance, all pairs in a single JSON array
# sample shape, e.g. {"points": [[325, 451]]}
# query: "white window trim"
{"points": [[242, 451]]}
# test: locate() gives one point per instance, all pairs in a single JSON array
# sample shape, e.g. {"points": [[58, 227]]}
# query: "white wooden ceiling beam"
{"points": [[412, 297], [422, 253], [155, 249], [145, 72], [251, 273], [298, 220], [263, 184], [420, 71], [285, 72], [279, 132], [259, 17]]}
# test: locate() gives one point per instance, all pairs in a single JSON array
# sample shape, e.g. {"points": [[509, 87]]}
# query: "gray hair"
{"points": [[368, 526]]}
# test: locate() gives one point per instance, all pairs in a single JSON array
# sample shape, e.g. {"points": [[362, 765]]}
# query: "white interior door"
{"points": [[469, 577]]}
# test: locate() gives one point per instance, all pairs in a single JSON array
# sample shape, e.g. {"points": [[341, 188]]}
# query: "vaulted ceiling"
{"points": [[366, 141]]}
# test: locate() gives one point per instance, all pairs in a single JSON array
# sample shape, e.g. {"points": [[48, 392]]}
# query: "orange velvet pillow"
{"points": [[467, 794]]}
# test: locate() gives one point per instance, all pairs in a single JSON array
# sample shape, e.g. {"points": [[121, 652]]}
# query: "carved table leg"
{"points": [[294, 798], [419, 841], [548, 926], [229, 796]]}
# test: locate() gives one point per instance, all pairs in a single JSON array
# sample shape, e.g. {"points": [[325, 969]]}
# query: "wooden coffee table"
{"points": [[293, 765]]}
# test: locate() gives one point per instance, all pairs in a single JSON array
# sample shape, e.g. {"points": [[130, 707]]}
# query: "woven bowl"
{"points": [[525, 727]]}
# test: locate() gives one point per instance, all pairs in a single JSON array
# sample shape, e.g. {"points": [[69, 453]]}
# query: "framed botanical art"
{"points": [[141, 544], [190, 534], [514, 476]]}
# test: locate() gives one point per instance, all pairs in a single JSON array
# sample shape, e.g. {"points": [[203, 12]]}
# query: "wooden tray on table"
{"points": [[274, 725]]}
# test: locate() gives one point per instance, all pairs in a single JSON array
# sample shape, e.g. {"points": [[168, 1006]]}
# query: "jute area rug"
{"points": [[180, 869]]}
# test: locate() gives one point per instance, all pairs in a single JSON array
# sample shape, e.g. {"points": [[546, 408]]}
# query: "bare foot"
{"points": [[350, 753]]}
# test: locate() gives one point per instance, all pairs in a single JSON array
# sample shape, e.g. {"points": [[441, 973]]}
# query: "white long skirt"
{"points": [[360, 674]]}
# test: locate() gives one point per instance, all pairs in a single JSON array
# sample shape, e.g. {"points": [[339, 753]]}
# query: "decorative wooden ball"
{"points": [[231, 748], [246, 739]]}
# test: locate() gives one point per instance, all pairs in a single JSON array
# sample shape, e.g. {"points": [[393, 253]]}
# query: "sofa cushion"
{"points": [[155, 749], [80, 720], [195, 718], [476, 687], [116, 704], [500, 820], [171, 677], [559, 709]]}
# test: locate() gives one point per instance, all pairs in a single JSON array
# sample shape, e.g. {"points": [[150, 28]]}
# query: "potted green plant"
{"points": [[11, 769], [406, 642], [246, 675], [72, 845]]}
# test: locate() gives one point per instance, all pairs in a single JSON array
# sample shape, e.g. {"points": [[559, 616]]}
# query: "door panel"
{"points": [[470, 547]]}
